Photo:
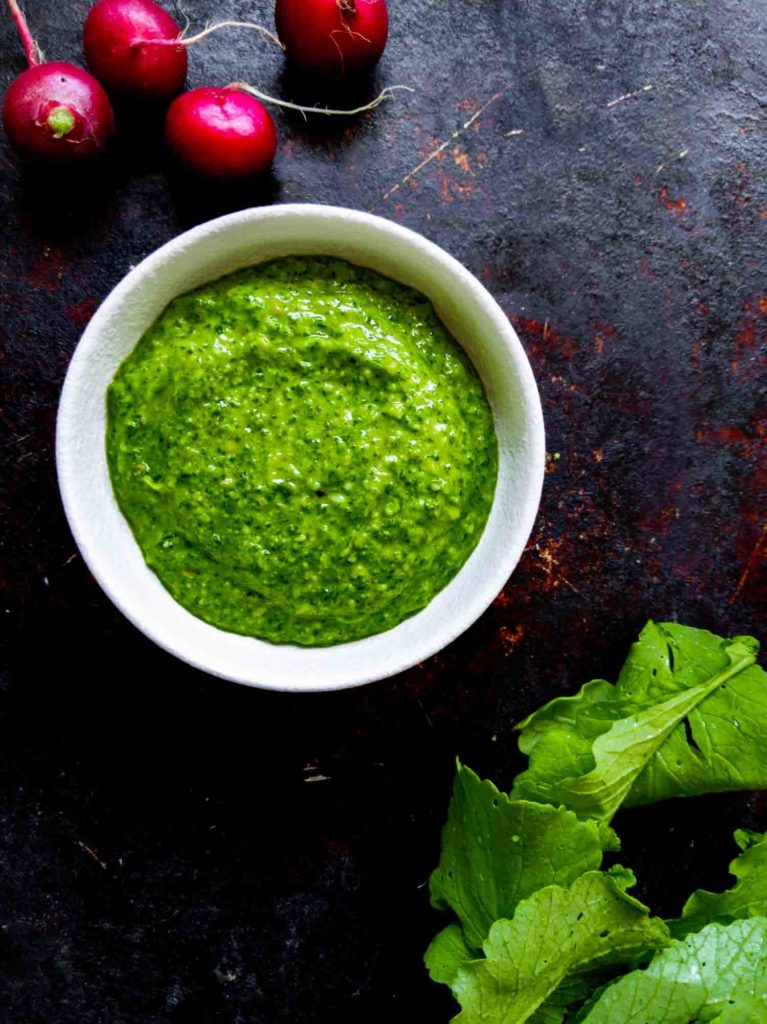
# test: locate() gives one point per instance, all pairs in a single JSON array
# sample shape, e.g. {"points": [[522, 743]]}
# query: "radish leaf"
{"points": [[686, 717], [497, 851], [446, 953], [717, 974], [556, 936], [747, 898]]}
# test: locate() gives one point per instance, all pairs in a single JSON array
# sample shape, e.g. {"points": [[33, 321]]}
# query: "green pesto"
{"points": [[302, 451]]}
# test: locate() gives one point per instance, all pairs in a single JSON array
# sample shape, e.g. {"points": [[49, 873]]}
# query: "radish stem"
{"points": [[32, 50], [384, 94]]}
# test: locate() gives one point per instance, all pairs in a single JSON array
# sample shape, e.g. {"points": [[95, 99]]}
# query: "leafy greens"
{"points": [[747, 898], [555, 935], [541, 934], [716, 974], [497, 851], [686, 717]]}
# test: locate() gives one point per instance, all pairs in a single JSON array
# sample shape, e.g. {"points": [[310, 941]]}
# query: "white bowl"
{"points": [[240, 240]]}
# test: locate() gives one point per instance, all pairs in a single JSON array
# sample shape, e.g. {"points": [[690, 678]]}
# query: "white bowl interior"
{"points": [[204, 254]]}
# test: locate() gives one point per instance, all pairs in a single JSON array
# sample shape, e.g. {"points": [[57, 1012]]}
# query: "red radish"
{"points": [[136, 49], [54, 111], [120, 39], [224, 134], [228, 134], [333, 38]]}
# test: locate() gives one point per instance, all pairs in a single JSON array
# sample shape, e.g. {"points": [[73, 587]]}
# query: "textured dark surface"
{"points": [[178, 849]]}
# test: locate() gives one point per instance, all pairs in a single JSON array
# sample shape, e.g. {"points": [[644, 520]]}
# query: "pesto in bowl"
{"points": [[303, 453]]}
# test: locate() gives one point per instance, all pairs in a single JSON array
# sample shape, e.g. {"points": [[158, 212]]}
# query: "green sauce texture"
{"points": [[302, 451]]}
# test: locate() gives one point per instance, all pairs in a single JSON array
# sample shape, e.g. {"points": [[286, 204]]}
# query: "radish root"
{"points": [[383, 95], [184, 40], [191, 40]]}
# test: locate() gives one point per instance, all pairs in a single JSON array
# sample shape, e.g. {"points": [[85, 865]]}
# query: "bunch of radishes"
{"points": [[57, 112]]}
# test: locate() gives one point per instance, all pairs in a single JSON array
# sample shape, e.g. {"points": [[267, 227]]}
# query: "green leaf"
{"points": [[746, 838], [548, 1014], [555, 936], [578, 720], [608, 837], [747, 898], [717, 974], [719, 748], [686, 717], [572, 994], [497, 851], [446, 953], [746, 1010]]}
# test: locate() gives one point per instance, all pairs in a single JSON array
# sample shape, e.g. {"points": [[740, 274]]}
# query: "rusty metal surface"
{"points": [[175, 848]]}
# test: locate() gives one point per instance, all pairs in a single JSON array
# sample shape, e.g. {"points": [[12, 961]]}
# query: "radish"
{"points": [[54, 111], [132, 48], [333, 38], [221, 133], [136, 49], [227, 134]]}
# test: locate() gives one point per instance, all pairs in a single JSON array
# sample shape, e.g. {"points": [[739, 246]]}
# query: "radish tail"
{"points": [[384, 94], [183, 40]]}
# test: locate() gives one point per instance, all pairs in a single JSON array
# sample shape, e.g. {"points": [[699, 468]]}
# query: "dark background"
{"points": [[174, 848]]}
